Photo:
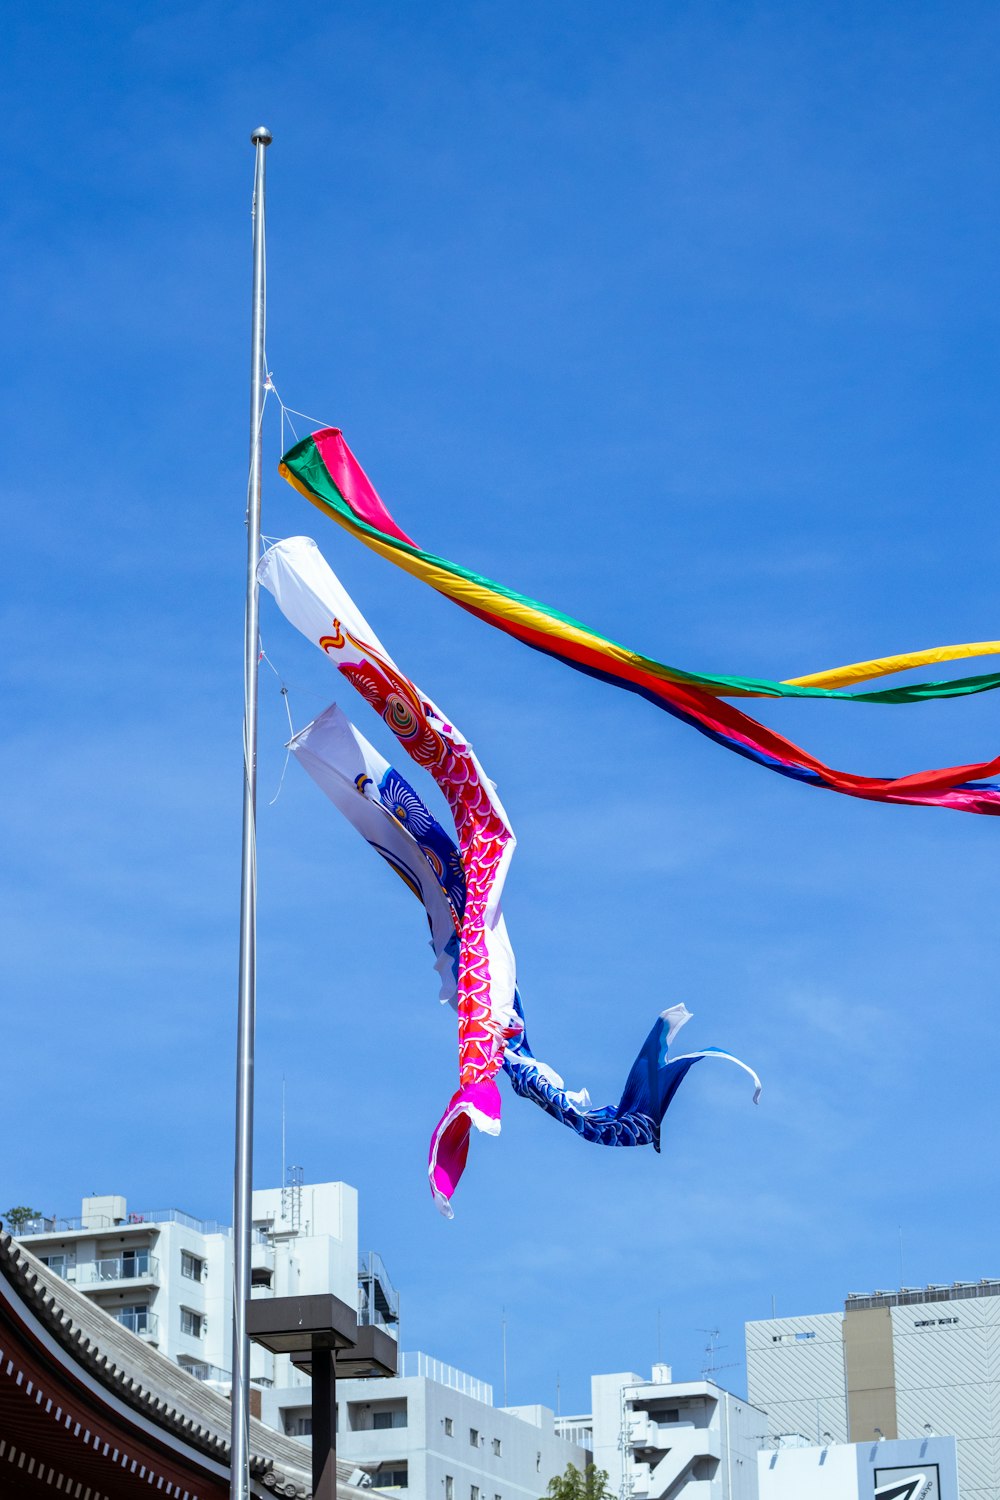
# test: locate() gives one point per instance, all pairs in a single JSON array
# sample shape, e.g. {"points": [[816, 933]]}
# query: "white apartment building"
{"points": [[659, 1439], [435, 1432], [162, 1273], [168, 1277], [910, 1364]]}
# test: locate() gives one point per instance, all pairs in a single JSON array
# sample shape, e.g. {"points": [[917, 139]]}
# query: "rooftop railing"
{"points": [[178, 1216], [908, 1295], [436, 1369], [97, 1222]]}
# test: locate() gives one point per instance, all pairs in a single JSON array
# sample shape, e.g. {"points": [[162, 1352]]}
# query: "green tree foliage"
{"points": [[591, 1484], [16, 1218]]}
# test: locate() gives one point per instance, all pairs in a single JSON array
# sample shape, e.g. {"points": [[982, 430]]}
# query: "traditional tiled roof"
{"points": [[194, 1417]]}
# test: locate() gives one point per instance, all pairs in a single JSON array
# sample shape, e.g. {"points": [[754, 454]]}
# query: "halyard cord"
{"points": [[291, 727]]}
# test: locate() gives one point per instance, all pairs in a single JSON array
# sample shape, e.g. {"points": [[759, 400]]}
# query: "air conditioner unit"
{"points": [[360, 1479]]}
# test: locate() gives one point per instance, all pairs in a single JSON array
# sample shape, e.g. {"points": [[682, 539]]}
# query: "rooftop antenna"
{"points": [[239, 1478], [503, 1331], [282, 1130], [711, 1367]]}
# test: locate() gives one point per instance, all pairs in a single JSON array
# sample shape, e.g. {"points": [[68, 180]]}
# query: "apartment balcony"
{"points": [[261, 1268], [210, 1374], [262, 1256], [139, 1320], [378, 1300], [141, 1269]]}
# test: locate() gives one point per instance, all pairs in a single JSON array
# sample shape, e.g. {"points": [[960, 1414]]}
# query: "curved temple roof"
{"points": [[90, 1412]]}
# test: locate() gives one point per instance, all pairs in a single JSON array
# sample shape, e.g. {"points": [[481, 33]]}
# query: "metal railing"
{"points": [[178, 1216], [60, 1266], [139, 1267], [201, 1371], [378, 1300], [138, 1320], [907, 1296], [436, 1369], [54, 1225], [42, 1225]]}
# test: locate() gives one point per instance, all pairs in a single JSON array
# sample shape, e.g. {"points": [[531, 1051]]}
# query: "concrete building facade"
{"points": [[163, 1274], [168, 1277], [435, 1433], [900, 1469], [909, 1364], [660, 1438]]}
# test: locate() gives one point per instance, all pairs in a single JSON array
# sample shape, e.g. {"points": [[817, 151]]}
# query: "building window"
{"points": [[449, 1427], [191, 1266], [391, 1477], [474, 1437], [473, 1492], [449, 1485], [496, 1446], [383, 1420], [800, 1338], [192, 1323], [57, 1263], [298, 1421]]}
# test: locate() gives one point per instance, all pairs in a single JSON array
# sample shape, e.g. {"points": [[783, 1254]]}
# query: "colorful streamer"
{"points": [[323, 469], [390, 816]]}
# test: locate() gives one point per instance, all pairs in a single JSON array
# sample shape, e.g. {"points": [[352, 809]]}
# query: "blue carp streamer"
{"points": [[390, 815]]}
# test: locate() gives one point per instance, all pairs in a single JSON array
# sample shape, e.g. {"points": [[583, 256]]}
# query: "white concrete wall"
{"points": [[846, 1471], [689, 1438], [530, 1452], [320, 1256], [808, 1473], [606, 1411]]}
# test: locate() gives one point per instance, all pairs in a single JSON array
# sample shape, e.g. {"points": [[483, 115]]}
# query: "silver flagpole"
{"points": [[243, 1174]]}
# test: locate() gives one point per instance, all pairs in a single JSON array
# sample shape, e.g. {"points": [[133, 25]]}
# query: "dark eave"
{"points": [[60, 1353]]}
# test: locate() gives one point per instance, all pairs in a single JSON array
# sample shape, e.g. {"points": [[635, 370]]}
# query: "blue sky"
{"points": [[680, 317]]}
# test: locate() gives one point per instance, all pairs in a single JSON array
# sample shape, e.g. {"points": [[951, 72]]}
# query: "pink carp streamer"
{"points": [[314, 600]]}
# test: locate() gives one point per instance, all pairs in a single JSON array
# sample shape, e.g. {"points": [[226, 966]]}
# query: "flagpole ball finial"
{"points": [[262, 136]]}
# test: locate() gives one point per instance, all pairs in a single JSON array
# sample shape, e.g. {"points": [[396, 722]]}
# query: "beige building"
{"points": [[914, 1363]]}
